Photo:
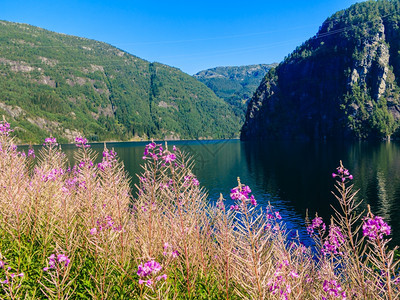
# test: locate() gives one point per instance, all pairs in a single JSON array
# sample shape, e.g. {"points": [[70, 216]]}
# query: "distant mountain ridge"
{"points": [[342, 83], [235, 84], [62, 85]]}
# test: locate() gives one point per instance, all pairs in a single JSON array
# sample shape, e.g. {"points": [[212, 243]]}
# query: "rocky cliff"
{"points": [[341, 83]]}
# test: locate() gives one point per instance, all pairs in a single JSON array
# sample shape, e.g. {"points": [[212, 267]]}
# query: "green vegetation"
{"points": [[342, 83], [69, 86], [77, 232], [235, 85]]}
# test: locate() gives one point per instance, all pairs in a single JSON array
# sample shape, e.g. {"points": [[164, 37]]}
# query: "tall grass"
{"points": [[77, 232]]}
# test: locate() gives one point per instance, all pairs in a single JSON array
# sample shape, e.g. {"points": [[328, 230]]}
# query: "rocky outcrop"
{"points": [[342, 83]]}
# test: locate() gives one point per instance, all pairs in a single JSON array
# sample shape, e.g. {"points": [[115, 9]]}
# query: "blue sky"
{"points": [[189, 35]]}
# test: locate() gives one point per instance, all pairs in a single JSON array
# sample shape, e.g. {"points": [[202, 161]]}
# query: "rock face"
{"points": [[342, 83]]}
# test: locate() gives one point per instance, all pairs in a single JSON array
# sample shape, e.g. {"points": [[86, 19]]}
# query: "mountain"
{"points": [[342, 83], [235, 85], [61, 85]]}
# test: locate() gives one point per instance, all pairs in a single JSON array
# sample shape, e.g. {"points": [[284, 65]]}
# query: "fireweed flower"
{"points": [[150, 152], [81, 142], [61, 259], [50, 141], [234, 207], [31, 153], [175, 254], [169, 158], [109, 158], [333, 289], [316, 223], [342, 174], [5, 128], [150, 267], [334, 240], [375, 228], [253, 200]]}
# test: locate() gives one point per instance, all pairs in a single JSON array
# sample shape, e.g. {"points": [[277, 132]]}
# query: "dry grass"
{"points": [[76, 232]]}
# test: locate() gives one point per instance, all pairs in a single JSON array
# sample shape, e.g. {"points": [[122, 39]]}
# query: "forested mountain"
{"points": [[342, 83], [235, 85], [61, 85]]}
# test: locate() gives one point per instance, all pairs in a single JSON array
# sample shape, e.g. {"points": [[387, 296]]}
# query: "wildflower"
{"points": [[169, 158], [234, 207], [277, 215], [294, 274], [150, 267], [334, 241], [164, 276], [61, 258], [174, 254], [236, 194], [149, 152], [81, 142], [2, 264], [316, 223], [149, 282], [375, 228], [253, 200], [93, 231], [173, 148], [342, 174], [50, 141], [53, 260], [195, 182], [31, 153], [333, 288], [5, 128]]}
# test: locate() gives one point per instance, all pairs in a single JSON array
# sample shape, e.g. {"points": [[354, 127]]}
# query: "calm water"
{"points": [[292, 176]]}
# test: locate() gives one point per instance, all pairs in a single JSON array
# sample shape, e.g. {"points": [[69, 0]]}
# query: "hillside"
{"points": [[235, 85], [342, 83], [64, 85]]}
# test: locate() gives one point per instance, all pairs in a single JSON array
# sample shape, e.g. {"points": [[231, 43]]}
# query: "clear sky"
{"points": [[190, 35]]}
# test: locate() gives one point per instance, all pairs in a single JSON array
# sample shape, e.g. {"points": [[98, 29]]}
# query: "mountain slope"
{"points": [[63, 85], [342, 83], [235, 85]]}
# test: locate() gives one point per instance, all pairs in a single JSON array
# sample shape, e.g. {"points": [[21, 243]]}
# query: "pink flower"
{"points": [[195, 182], [253, 200], [169, 158], [294, 274], [93, 231], [50, 141], [375, 228], [164, 276], [5, 128], [81, 142]]}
